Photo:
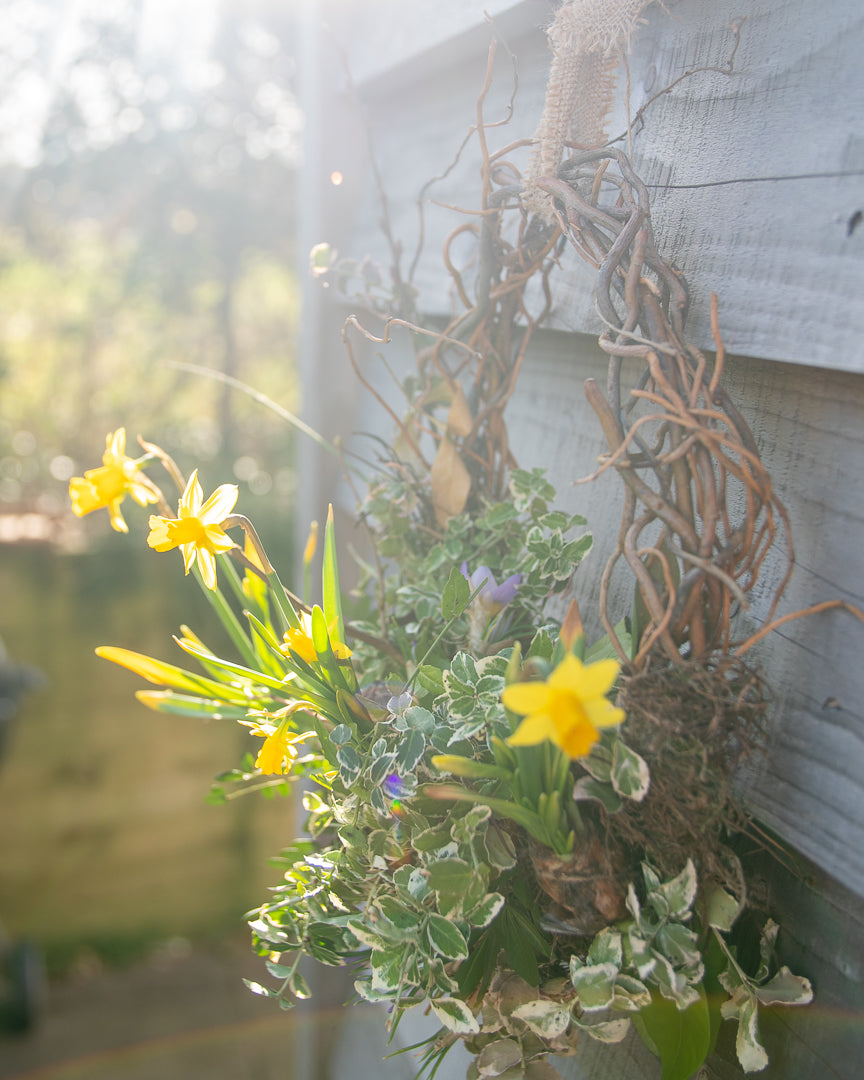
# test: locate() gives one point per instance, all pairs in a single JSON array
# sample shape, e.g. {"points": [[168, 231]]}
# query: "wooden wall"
{"points": [[756, 178]]}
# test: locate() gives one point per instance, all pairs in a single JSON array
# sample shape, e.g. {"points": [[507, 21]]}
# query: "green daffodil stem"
{"points": [[287, 614], [241, 521], [226, 563], [470, 768], [229, 620], [440, 635], [531, 821]]}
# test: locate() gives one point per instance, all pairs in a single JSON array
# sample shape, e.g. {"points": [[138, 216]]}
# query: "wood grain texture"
{"points": [[755, 175], [809, 785], [808, 423], [790, 280]]}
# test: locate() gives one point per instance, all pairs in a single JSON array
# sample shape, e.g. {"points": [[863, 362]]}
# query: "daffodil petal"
{"points": [[526, 697], [190, 500], [207, 565], [569, 708], [276, 748], [117, 522], [599, 678], [115, 446], [141, 494], [533, 730], [602, 713], [219, 505], [188, 551], [218, 539]]}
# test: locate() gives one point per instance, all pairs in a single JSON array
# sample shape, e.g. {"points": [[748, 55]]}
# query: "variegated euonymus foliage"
{"points": [[462, 766]]}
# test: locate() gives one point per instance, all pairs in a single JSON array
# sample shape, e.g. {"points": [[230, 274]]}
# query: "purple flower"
{"points": [[492, 597]]}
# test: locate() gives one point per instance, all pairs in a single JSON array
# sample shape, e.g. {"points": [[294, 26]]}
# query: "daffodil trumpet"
{"points": [[197, 530], [569, 709]]}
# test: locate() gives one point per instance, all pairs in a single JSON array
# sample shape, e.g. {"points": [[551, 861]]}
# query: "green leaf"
{"points": [[464, 668], [450, 877], [523, 942], [465, 828], [446, 938], [431, 839], [208, 658], [430, 679], [680, 892], [751, 1052], [486, 911], [381, 767], [166, 701], [299, 987], [606, 1031], [349, 764], [632, 994], [785, 989], [386, 967], [397, 913], [630, 775], [541, 645], [594, 983], [155, 671], [605, 650], [455, 1015], [330, 590], [586, 787], [499, 1058], [456, 594], [499, 848], [547, 1019], [321, 637], [500, 514], [679, 945], [410, 750], [366, 937], [606, 948], [680, 1038], [279, 971], [421, 719], [599, 762]]}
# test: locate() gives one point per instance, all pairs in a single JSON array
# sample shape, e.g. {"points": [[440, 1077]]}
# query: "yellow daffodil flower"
{"points": [[279, 750], [107, 486], [567, 709], [299, 640], [197, 530]]}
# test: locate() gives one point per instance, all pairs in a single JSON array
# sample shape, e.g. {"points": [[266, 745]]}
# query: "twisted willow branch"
{"points": [[700, 513]]}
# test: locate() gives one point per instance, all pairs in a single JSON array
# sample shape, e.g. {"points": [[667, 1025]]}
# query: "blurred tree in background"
{"points": [[147, 172]]}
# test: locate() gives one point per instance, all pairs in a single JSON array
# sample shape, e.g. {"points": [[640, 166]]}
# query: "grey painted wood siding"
{"points": [[758, 176], [808, 422]]}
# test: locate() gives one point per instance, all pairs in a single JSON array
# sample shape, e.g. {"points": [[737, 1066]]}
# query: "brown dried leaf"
{"points": [[450, 481], [459, 419]]}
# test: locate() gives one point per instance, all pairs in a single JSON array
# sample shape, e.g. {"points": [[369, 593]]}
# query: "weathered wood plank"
{"points": [[809, 784], [790, 283], [756, 176], [383, 35]]}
